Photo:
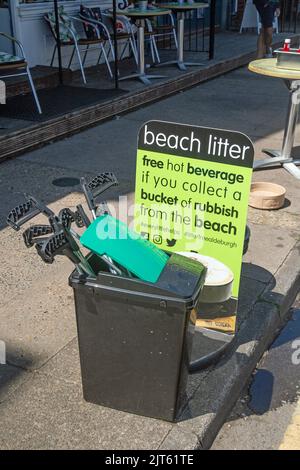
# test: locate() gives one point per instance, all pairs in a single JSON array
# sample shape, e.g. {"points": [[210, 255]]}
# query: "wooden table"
{"points": [[180, 9], [292, 80], [142, 15]]}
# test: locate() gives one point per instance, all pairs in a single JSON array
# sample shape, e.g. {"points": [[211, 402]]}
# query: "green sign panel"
{"points": [[191, 196]]}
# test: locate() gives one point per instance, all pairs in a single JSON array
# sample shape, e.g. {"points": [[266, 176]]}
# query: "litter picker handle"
{"points": [[33, 234], [88, 196], [83, 215], [40, 205], [102, 182], [67, 217], [26, 211], [97, 186], [21, 214], [58, 244]]}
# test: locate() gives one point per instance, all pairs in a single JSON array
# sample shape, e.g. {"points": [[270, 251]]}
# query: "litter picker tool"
{"points": [[26, 211], [60, 244], [83, 215], [95, 187], [58, 225], [36, 234], [92, 190], [66, 216]]}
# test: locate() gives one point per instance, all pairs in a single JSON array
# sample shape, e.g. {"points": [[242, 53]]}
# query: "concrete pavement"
{"points": [[41, 404]]}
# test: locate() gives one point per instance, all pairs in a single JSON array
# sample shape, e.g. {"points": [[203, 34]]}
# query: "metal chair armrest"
{"points": [[93, 22], [11, 38]]}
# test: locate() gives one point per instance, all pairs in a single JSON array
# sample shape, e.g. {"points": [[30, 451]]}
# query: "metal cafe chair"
{"points": [[127, 35], [14, 66], [69, 36], [98, 39], [132, 29], [104, 25], [148, 37], [163, 31]]}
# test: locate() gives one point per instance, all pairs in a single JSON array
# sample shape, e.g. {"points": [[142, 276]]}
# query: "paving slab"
{"points": [[11, 378], [39, 416], [36, 325], [258, 261]]}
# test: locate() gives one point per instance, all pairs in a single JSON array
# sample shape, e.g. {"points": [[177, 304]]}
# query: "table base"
{"points": [[144, 77], [288, 164], [284, 157], [180, 64]]}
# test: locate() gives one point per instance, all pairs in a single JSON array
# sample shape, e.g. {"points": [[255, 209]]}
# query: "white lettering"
{"points": [[296, 354]]}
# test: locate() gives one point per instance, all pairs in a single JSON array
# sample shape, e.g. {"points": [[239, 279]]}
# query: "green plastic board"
{"points": [[111, 237]]}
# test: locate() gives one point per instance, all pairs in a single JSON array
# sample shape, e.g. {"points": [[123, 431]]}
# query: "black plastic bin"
{"points": [[135, 338]]}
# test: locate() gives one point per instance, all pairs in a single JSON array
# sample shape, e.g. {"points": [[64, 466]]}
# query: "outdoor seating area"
{"points": [[126, 32], [87, 35]]}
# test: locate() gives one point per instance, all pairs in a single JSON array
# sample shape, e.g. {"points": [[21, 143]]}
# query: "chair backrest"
{"points": [[123, 24], [92, 14], [67, 30]]}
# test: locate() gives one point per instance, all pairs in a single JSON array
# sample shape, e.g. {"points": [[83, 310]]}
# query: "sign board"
{"points": [[250, 16], [191, 196]]}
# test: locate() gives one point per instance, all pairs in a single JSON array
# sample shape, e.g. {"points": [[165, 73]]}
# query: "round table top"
{"points": [[268, 67], [183, 6], [137, 13]]}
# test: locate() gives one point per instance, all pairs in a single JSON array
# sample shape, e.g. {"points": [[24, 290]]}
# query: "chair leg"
{"points": [[71, 58], [111, 49], [155, 49], [152, 50], [33, 90], [134, 51], [100, 55], [123, 50], [80, 63], [53, 55], [107, 62], [85, 54], [175, 38]]}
